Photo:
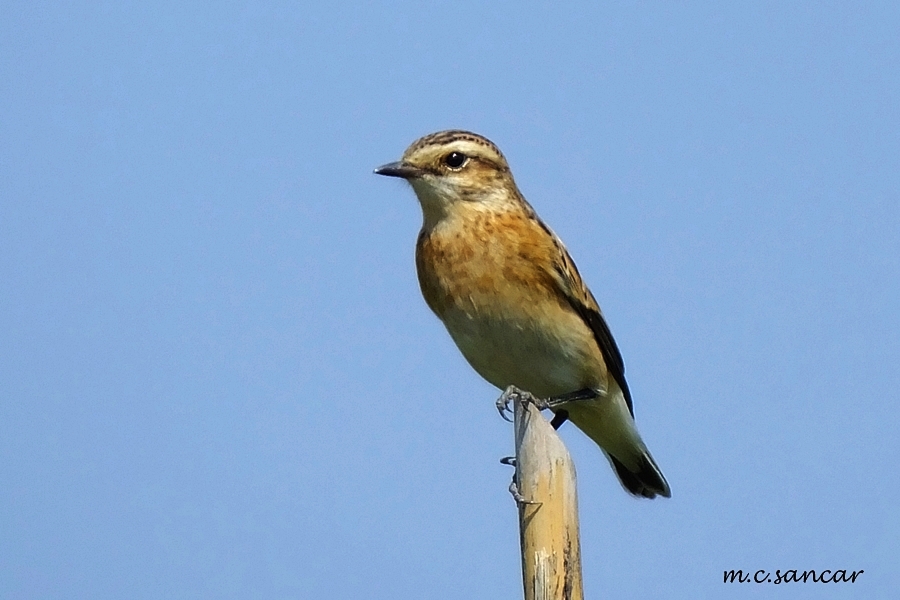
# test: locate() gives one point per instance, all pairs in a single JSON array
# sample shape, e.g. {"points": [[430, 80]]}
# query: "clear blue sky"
{"points": [[218, 378]]}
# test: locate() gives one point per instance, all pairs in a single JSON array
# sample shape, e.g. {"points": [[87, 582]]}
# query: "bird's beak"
{"points": [[399, 169]]}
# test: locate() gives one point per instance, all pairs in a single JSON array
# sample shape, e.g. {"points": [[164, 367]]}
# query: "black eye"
{"points": [[455, 160]]}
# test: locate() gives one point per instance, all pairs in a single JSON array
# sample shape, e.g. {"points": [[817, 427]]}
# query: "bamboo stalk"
{"points": [[548, 509]]}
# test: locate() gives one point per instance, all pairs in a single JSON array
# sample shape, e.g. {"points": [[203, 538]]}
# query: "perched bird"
{"points": [[511, 298]]}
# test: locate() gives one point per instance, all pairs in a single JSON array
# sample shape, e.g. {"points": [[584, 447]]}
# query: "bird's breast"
{"points": [[490, 286]]}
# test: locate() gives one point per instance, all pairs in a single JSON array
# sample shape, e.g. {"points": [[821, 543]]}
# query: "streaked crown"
{"points": [[449, 150]]}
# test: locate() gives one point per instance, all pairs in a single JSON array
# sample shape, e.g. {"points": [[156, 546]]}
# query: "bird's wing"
{"points": [[572, 286]]}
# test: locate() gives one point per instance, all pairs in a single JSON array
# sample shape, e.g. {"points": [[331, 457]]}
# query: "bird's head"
{"points": [[451, 167]]}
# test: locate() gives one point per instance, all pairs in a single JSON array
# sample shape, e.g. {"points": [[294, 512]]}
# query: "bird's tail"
{"points": [[647, 482], [608, 422]]}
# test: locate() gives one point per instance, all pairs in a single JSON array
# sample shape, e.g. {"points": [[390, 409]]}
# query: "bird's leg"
{"points": [[560, 415], [576, 396], [513, 393]]}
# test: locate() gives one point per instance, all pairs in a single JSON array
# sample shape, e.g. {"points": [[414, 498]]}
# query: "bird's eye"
{"points": [[455, 160]]}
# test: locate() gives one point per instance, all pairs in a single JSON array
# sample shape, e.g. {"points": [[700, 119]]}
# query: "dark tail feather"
{"points": [[648, 482]]}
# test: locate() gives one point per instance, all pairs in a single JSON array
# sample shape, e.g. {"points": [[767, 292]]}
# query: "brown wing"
{"points": [[584, 304]]}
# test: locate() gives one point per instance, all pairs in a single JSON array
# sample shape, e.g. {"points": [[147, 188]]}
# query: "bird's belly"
{"points": [[542, 360]]}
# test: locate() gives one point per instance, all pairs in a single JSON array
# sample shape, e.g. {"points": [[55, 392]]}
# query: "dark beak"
{"points": [[399, 169]]}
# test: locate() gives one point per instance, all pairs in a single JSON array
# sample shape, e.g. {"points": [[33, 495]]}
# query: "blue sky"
{"points": [[218, 378]]}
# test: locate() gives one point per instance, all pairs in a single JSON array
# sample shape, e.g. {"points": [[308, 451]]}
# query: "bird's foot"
{"points": [[511, 394], [513, 487], [518, 497]]}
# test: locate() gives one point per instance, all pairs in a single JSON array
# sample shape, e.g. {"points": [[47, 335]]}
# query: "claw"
{"points": [[508, 395], [519, 498], [511, 394]]}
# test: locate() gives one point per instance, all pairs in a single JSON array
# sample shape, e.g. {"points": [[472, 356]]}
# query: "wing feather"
{"points": [[583, 303]]}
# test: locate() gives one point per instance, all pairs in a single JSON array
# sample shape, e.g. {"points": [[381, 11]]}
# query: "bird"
{"points": [[512, 299]]}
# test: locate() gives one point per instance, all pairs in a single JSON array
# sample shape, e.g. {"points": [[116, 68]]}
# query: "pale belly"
{"points": [[546, 361]]}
